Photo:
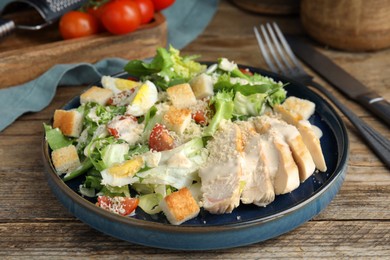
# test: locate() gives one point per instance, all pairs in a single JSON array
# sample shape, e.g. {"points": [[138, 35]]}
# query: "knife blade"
{"points": [[340, 79]]}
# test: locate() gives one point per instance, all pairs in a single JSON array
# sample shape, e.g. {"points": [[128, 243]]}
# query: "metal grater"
{"points": [[49, 10]]}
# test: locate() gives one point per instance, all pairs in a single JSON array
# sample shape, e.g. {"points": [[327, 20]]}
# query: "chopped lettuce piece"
{"points": [[114, 153], [85, 166], [247, 86], [188, 149], [55, 138], [224, 106], [150, 202], [92, 183], [252, 105], [102, 151], [167, 68], [171, 172], [226, 65], [277, 97], [228, 77], [96, 114], [112, 191], [175, 177]]}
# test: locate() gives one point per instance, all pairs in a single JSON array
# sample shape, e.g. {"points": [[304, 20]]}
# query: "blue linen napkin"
{"points": [[185, 20]]}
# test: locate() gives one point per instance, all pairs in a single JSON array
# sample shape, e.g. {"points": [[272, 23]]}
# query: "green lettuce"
{"points": [[104, 152], [150, 202], [224, 106], [55, 138], [252, 105], [228, 77], [166, 69]]}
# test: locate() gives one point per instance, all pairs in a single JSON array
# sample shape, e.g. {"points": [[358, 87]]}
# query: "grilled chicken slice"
{"points": [[297, 112], [301, 155], [221, 175], [291, 135], [313, 144], [287, 176], [258, 186]]}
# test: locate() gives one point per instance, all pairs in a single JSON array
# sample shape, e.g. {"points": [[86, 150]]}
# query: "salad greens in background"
{"points": [[238, 95], [244, 97]]}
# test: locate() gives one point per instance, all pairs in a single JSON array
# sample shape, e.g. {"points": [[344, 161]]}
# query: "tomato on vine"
{"points": [[114, 16], [162, 4], [147, 10], [77, 24], [121, 16]]}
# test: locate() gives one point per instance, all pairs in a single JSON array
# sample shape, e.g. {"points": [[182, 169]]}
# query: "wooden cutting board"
{"points": [[25, 55]]}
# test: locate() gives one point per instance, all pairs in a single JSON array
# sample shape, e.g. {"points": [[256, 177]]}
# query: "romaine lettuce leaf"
{"points": [[224, 106], [150, 202], [252, 105], [167, 68], [55, 138]]}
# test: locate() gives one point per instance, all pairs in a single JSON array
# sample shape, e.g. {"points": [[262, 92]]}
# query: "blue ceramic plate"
{"points": [[247, 224]]}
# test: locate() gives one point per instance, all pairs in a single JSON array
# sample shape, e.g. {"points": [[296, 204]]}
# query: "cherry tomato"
{"points": [[119, 205], [96, 10], [121, 16], [129, 205], [147, 10], [113, 132], [75, 24], [162, 4], [160, 139], [200, 117], [246, 71]]}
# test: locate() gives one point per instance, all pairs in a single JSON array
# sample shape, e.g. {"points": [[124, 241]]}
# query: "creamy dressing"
{"points": [[317, 131], [128, 129], [179, 160]]}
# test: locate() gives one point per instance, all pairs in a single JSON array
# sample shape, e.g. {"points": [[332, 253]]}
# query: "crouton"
{"points": [[202, 86], [179, 206], [65, 159], [297, 109], [181, 95], [97, 95], [70, 122], [177, 119]]}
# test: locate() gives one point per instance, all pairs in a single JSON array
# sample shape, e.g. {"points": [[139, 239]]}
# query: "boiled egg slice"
{"points": [[144, 99], [118, 85], [123, 173]]}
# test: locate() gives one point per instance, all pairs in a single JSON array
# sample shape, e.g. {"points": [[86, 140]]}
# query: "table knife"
{"points": [[340, 79]]}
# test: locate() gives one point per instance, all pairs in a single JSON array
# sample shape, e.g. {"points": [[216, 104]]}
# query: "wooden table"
{"points": [[33, 223]]}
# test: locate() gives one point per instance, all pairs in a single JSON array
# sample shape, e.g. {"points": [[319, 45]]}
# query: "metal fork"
{"points": [[280, 59]]}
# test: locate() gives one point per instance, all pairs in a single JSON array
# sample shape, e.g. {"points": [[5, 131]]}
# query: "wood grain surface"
{"points": [[355, 225], [20, 52], [354, 25]]}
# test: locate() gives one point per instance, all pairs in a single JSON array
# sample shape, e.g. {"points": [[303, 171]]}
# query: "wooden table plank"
{"points": [[72, 240]]}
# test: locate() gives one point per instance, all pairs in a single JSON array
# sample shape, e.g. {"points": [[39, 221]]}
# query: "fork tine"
{"points": [[286, 46], [264, 51], [271, 48], [278, 47]]}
